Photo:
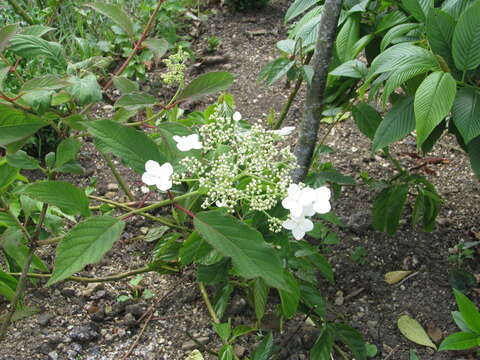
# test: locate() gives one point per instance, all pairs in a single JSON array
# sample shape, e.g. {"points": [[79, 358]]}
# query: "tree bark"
{"points": [[312, 112]]}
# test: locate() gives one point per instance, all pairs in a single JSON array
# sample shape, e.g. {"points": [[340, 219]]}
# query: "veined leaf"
{"points": [[413, 331], [466, 113], [45, 82], [388, 207], [6, 33], [460, 341], [440, 27], [8, 174], [125, 85], [474, 155], [469, 311], [353, 339], [116, 14], [70, 199], [21, 160], [251, 255], [466, 39], [274, 70], [157, 46], [260, 294], [16, 124], [264, 350], [289, 299], [347, 37], [367, 119], [132, 146], [29, 46], [298, 7], [433, 101], [395, 32], [36, 30], [418, 8], [85, 90], [323, 347], [85, 244], [390, 20], [307, 27], [136, 100], [206, 84], [67, 151], [353, 68]]}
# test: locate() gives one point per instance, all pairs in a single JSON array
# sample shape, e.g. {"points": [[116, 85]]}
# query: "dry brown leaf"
{"points": [[434, 332], [394, 277]]}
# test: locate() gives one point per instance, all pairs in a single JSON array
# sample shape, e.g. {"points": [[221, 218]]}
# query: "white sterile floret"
{"points": [[161, 176], [144, 189], [298, 225], [187, 143], [285, 131], [298, 200], [321, 202], [237, 116]]}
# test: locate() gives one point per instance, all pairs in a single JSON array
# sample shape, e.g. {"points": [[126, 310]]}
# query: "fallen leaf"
{"points": [[434, 332], [393, 277], [195, 355], [413, 331]]}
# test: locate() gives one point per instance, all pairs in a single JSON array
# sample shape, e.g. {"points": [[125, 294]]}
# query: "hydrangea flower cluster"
{"points": [[304, 202], [247, 167], [175, 68]]}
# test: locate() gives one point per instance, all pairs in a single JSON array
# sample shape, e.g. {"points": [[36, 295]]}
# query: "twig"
{"points": [[202, 346], [391, 353], [211, 311], [109, 278], [408, 277], [118, 177], [342, 353]]}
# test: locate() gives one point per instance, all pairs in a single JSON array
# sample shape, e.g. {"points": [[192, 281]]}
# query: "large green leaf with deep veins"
{"points": [[439, 28], [206, 84], [116, 14], [29, 46], [251, 255], [16, 124], [388, 207], [474, 155], [433, 101], [466, 39], [398, 123], [70, 199], [85, 244], [133, 147], [466, 113]]}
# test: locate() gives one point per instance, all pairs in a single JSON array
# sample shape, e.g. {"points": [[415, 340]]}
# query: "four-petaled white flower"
{"points": [[187, 143], [298, 200], [145, 189], [321, 203], [285, 131], [237, 116], [298, 225], [161, 176]]}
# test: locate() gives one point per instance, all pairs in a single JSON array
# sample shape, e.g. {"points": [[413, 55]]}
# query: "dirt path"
{"points": [[87, 322]]}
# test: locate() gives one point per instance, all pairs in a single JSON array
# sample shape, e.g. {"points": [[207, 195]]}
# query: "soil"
{"points": [[79, 321]]}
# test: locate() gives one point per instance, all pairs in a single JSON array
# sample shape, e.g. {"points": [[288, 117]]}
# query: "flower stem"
{"points": [[118, 177]]}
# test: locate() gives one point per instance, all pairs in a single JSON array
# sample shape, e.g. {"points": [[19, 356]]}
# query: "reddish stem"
{"points": [[14, 67], [180, 207]]}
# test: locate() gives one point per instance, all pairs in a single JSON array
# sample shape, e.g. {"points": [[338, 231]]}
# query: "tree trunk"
{"points": [[312, 112]]}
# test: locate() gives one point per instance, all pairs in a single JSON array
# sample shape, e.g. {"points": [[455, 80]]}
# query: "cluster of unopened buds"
{"points": [[303, 203]]}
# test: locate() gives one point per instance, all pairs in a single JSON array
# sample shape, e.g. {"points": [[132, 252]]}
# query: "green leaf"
{"points": [[413, 331], [367, 119], [418, 8], [168, 146], [264, 350], [67, 151], [388, 207], [45, 82], [226, 352], [474, 155], [289, 299], [125, 85], [347, 37], [8, 285], [460, 341], [206, 84], [195, 355], [352, 68], [8, 174], [36, 30], [275, 70], [215, 273], [312, 298], [85, 90], [298, 7], [70, 199], [22, 160], [16, 125], [251, 255], [459, 321], [323, 347], [466, 39], [466, 113], [413, 355], [130, 145], [136, 101], [223, 330], [260, 295], [86, 243], [222, 299], [353, 339], [13, 243], [6, 33], [398, 123], [116, 14], [433, 100], [396, 32], [29, 46], [157, 46], [391, 19], [440, 27], [468, 310]]}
